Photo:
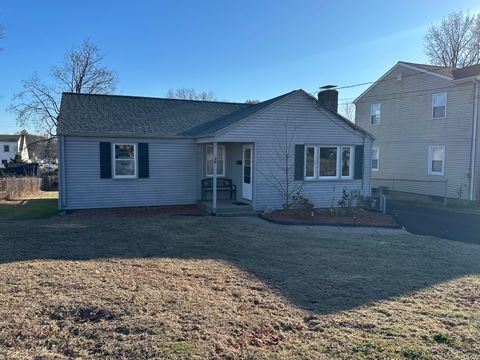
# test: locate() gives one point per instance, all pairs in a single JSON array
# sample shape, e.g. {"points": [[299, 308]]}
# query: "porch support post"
{"points": [[214, 195]]}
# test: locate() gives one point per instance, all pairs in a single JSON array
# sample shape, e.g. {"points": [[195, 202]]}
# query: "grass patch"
{"points": [[414, 354], [444, 338], [475, 321], [367, 349], [213, 287], [28, 209]]}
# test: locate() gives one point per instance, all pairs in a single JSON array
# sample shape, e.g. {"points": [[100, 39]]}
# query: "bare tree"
{"points": [[2, 34], [347, 110], [455, 41], [82, 71], [282, 163], [190, 94], [252, 101]]}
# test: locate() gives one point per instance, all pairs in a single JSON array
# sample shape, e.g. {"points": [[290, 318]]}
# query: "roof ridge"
{"points": [[157, 98]]}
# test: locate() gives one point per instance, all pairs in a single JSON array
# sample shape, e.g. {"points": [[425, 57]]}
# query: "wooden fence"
{"points": [[17, 187]]}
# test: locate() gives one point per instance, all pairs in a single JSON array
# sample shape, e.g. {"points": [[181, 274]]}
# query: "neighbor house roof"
{"points": [[118, 115], [9, 138], [454, 73]]}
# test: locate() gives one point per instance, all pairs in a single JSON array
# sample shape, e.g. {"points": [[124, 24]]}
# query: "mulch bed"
{"points": [[325, 217], [177, 210]]}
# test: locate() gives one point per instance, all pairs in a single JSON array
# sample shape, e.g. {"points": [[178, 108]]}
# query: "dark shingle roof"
{"points": [[85, 114], [9, 138]]}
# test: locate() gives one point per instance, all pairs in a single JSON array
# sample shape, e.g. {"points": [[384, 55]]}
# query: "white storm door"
{"points": [[247, 171]]}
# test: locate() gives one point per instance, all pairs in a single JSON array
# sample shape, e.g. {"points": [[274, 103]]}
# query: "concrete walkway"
{"points": [[254, 220]]}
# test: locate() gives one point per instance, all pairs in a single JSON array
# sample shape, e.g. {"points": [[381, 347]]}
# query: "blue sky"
{"points": [[237, 49]]}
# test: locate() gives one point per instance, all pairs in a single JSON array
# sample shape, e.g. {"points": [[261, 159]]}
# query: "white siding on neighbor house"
{"points": [[407, 129], [172, 179], [7, 155], [313, 125]]}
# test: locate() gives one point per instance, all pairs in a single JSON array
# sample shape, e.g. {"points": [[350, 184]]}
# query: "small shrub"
{"points": [[300, 205], [443, 338], [183, 348]]}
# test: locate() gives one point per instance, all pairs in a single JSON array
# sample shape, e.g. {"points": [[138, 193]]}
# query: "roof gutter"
{"points": [[474, 142]]}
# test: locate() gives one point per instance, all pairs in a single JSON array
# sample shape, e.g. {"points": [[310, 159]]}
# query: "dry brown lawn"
{"points": [[204, 287]]}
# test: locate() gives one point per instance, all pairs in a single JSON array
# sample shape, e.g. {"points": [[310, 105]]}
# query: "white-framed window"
{"points": [[6, 148], [220, 160], [436, 159], [124, 161], [328, 162], [439, 105], [375, 114], [375, 158]]}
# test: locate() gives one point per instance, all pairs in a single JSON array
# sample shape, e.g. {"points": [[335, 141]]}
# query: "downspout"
{"points": [[62, 181], [474, 143]]}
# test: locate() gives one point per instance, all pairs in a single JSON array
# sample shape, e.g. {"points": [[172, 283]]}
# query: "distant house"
{"points": [[120, 151], [425, 122], [11, 146]]}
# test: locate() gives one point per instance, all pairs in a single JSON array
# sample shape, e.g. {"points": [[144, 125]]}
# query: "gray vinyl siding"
{"points": [[407, 129], [312, 126], [172, 180]]}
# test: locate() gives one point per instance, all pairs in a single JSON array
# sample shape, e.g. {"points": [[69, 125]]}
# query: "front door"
{"points": [[247, 173]]}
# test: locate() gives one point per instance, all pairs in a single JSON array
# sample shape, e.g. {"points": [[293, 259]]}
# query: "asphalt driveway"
{"points": [[437, 222]]}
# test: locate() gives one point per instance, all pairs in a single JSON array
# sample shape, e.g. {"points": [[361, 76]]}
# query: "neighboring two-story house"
{"points": [[10, 146], [425, 122]]}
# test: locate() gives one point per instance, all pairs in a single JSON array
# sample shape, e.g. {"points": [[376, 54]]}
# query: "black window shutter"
{"points": [[359, 155], [105, 160], [299, 162], [143, 165]]}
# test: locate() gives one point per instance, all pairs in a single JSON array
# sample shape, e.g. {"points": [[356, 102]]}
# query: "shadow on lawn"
{"points": [[321, 273]]}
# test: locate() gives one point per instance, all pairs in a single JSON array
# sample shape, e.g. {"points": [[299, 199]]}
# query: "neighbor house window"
{"points": [[125, 164], [439, 105], [375, 112], [6, 148], [375, 158], [328, 162], [220, 160], [436, 159], [4, 162]]}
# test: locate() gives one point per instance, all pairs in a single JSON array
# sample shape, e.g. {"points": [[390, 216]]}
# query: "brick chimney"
{"points": [[329, 99]]}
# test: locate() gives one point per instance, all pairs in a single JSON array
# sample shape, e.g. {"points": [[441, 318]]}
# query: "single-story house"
{"points": [[129, 151]]}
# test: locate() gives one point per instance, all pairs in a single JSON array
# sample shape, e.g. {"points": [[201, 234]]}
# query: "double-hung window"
{"points": [[328, 162], [439, 105], [375, 114], [375, 158], [6, 148], [220, 160], [436, 159], [125, 160]]}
